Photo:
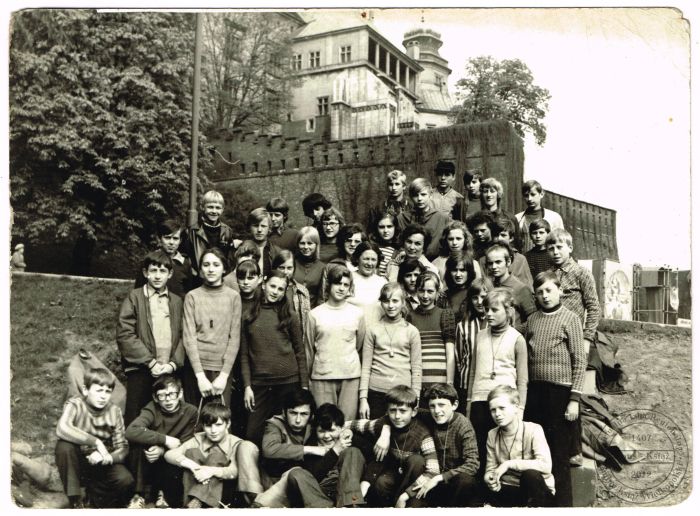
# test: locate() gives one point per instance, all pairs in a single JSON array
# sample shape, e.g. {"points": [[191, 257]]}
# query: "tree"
{"points": [[502, 90], [246, 78], [100, 122]]}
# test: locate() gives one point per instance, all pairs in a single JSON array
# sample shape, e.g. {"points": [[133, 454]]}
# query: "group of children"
{"points": [[414, 363]]}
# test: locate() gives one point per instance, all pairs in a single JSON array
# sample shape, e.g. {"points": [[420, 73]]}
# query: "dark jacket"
{"points": [[195, 241]]}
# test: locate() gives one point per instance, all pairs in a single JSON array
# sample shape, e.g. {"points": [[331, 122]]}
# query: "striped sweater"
{"points": [[437, 328], [465, 342], [83, 425], [578, 294], [555, 349], [455, 444]]}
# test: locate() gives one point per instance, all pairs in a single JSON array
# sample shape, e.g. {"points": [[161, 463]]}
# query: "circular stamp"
{"points": [[661, 458]]}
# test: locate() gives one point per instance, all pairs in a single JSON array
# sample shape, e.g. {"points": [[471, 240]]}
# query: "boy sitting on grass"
{"points": [[397, 475], [163, 424], [213, 457], [91, 445]]}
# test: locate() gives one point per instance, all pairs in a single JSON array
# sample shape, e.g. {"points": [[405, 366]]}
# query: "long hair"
{"points": [[374, 230], [451, 265], [284, 311]]}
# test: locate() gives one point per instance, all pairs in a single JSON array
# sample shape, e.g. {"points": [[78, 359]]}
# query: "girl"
{"points": [[473, 322], [455, 240], [331, 220], [272, 354], [409, 272], [308, 268], [335, 335], [437, 333], [459, 274], [248, 250], [297, 294], [491, 196], [211, 332], [391, 354], [384, 234], [414, 241], [348, 239], [500, 358], [367, 284]]}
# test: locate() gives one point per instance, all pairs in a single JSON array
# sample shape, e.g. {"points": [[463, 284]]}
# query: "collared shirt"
{"points": [[178, 257], [578, 294], [159, 308], [227, 445], [450, 203]]}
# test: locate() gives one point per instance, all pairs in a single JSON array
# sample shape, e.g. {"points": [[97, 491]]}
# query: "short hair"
{"points": [[313, 201], [168, 227], [532, 185], [389, 289], [98, 376], [479, 218], [333, 212], [544, 277], [417, 185], [282, 256], [163, 381], [297, 397], [490, 182], [335, 273], [502, 295], [452, 226], [311, 233], [426, 277], [344, 235], [401, 395], [441, 391], [539, 224], [219, 254], [213, 411], [451, 265], [247, 268], [256, 217], [367, 245], [212, 196], [396, 175], [278, 205], [247, 248], [499, 243], [478, 285], [504, 390], [410, 266], [503, 223], [415, 229], [158, 258], [444, 167], [559, 235], [328, 415], [471, 174]]}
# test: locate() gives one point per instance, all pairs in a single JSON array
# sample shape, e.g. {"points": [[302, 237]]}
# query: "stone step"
{"points": [[583, 483]]}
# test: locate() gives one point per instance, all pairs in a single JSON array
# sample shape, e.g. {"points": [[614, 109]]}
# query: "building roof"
{"points": [[435, 100], [322, 23]]}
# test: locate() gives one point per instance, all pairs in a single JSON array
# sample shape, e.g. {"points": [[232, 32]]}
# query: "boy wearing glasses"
{"points": [[163, 424]]}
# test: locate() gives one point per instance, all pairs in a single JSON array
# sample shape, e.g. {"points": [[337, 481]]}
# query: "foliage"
{"points": [[100, 122], [245, 71], [493, 90], [239, 202]]}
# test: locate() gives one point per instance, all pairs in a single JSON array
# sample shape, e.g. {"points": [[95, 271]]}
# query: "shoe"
{"points": [[194, 503], [576, 460], [160, 501], [137, 502]]}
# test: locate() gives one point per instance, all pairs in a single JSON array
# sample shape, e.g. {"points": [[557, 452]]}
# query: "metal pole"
{"points": [[192, 212]]}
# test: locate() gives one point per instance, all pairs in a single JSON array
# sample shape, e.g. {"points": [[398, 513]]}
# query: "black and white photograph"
{"points": [[348, 256]]}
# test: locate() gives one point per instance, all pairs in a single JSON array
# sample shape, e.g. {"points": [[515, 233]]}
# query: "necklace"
{"points": [[494, 353], [391, 340], [443, 444], [401, 450], [503, 440]]}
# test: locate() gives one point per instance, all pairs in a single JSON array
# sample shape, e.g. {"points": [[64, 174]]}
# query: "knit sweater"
{"points": [[83, 425], [334, 340], [519, 269], [391, 355], [287, 239], [525, 218], [309, 274], [529, 451], [538, 260], [451, 203], [153, 424], [212, 328], [556, 350], [501, 359], [578, 294], [524, 301], [436, 327], [455, 444], [269, 356]]}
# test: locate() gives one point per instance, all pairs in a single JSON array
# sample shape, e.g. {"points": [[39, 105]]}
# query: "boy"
{"points": [[538, 257], [445, 198], [258, 223], [169, 237], [334, 479], [498, 260], [213, 457], [533, 194], [482, 226], [396, 202], [91, 446], [281, 235], [210, 231], [472, 185], [557, 363], [424, 214], [411, 459], [577, 285], [314, 205], [165, 423], [518, 267], [149, 333], [455, 443], [518, 462]]}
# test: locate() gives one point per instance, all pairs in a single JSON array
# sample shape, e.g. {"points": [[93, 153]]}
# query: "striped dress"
{"points": [[387, 253], [436, 327]]}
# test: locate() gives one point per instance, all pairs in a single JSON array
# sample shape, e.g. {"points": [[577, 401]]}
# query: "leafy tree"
{"points": [[503, 90], [245, 71], [100, 122]]}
